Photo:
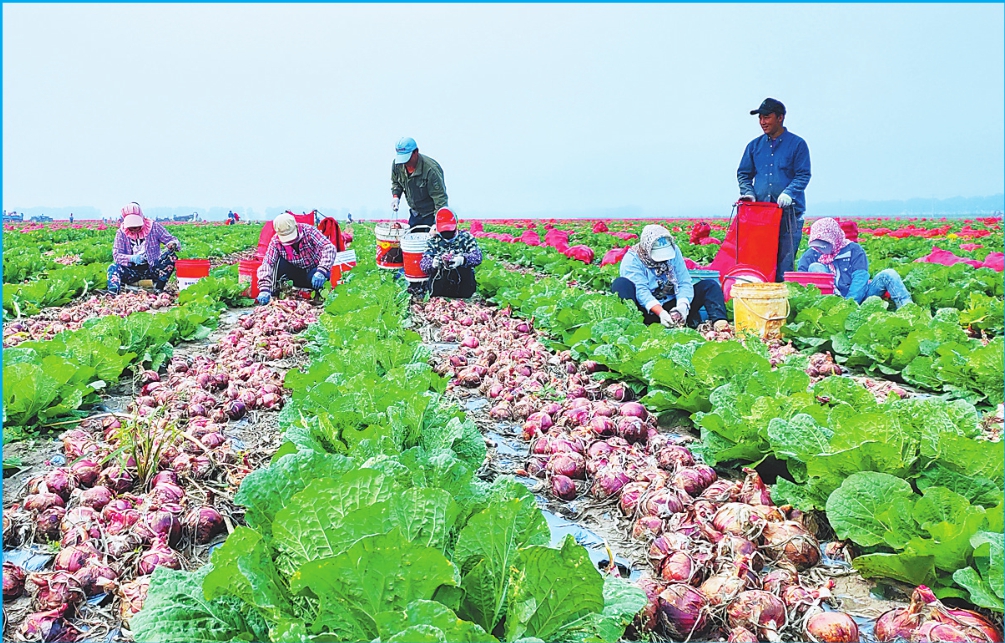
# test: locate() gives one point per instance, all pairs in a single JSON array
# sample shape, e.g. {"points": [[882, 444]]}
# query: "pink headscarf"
{"points": [[830, 231], [134, 208]]}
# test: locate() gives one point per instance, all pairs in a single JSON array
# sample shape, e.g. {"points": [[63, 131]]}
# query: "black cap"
{"points": [[769, 106]]}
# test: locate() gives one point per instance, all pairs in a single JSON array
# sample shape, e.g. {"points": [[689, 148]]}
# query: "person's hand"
{"points": [[746, 197], [667, 319], [394, 202], [784, 200], [437, 262], [318, 280], [683, 308], [263, 298], [720, 326], [137, 258], [174, 245], [457, 262]]}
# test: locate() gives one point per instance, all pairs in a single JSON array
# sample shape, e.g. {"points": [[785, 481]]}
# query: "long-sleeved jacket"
{"points": [[646, 281], [770, 167], [850, 267], [122, 248], [424, 189], [312, 251], [463, 244]]}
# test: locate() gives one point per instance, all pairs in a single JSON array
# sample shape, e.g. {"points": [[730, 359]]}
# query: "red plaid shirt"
{"points": [[312, 251]]}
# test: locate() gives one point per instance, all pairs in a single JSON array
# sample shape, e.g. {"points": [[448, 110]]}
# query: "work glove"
{"points": [[457, 262], [437, 262], [263, 298], [720, 326], [683, 307], [174, 245], [784, 200], [137, 258], [747, 197], [668, 319], [394, 202], [318, 280]]}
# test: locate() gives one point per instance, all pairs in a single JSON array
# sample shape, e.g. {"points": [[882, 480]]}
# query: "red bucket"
{"points": [[247, 273], [413, 246], [189, 271], [822, 280]]}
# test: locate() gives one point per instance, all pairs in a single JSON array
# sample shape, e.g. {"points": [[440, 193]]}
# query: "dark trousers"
{"points": [[790, 235], [414, 219], [159, 273], [707, 295], [456, 283], [301, 277]]}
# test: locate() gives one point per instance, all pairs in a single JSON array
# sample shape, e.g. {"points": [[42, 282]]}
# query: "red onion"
{"points": [[646, 527], [48, 626], [631, 496], [96, 578], [133, 594], [201, 467], [682, 611], [86, 471], [60, 482], [71, 559], [13, 581], [754, 492], [608, 482], [563, 487], [618, 392], [159, 555], [552, 409], [778, 579], [738, 519], [146, 377], [204, 523], [41, 501], [164, 476], [688, 479], [235, 409], [742, 635], [678, 567], [667, 543], [632, 429], [602, 426], [118, 521], [647, 619], [83, 516], [213, 440], [599, 449], [737, 548], [117, 479], [159, 524], [726, 585], [121, 545], [47, 522], [96, 497], [537, 465], [634, 409], [936, 632], [758, 611], [790, 541], [165, 492], [673, 456], [571, 465], [721, 491], [662, 502]]}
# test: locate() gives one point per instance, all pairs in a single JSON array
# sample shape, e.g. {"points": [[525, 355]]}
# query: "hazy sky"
{"points": [[546, 109]]}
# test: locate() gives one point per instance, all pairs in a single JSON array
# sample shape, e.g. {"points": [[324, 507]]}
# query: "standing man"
{"points": [[776, 167], [420, 178]]}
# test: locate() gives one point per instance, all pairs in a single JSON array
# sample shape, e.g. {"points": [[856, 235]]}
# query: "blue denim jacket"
{"points": [[851, 270], [769, 168], [646, 282]]}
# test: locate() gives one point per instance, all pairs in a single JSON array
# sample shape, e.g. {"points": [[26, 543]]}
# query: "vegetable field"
{"points": [[531, 464]]}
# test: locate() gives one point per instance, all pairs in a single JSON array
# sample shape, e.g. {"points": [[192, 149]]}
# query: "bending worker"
{"points": [[420, 179], [450, 258], [136, 252], [298, 252], [831, 252], [655, 277], [776, 168]]}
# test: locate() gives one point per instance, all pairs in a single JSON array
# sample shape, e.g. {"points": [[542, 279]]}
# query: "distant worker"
{"points": [[831, 252], [450, 259], [776, 168], [136, 251], [655, 277], [420, 178], [233, 218], [71, 218], [298, 252]]}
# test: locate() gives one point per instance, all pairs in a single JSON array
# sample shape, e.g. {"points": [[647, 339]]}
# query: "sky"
{"points": [[548, 110]]}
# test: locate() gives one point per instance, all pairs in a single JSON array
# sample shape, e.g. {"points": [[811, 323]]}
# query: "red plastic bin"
{"points": [[822, 280]]}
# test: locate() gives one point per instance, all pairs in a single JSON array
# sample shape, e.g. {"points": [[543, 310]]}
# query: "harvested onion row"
{"points": [[114, 529]]}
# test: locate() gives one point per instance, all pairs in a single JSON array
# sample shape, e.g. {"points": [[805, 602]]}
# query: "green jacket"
{"points": [[424, 189]]}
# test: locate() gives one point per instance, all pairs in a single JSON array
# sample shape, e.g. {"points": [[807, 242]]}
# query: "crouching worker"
{"points": [[137, 254], [450, 258], [654, 276], [831, 252], [298, 252]]}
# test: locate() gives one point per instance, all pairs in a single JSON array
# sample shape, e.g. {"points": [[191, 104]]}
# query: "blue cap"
{"points": [[403, 150]]}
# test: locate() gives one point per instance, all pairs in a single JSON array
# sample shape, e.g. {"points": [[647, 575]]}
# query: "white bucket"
{"points": [[413, 246], [389, 246]]}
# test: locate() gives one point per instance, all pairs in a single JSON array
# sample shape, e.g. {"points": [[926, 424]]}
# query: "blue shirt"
{"points": [[646, 280], [770, 167]]}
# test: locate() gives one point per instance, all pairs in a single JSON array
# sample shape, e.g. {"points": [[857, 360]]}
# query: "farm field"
{"points": [[531, 464]]}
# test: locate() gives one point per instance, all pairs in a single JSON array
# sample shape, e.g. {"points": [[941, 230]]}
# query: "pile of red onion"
{"points": [[727, 563], [113, 529], [51, 321]]}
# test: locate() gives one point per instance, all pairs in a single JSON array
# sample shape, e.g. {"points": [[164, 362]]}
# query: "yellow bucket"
{"points": [[760, 308]]}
